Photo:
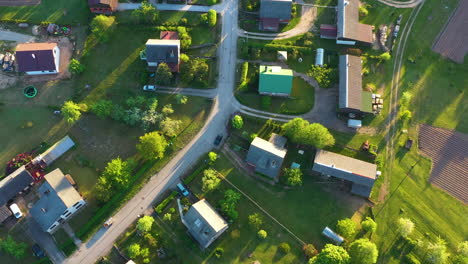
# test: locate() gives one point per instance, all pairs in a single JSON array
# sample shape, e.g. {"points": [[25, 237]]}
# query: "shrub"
{"points": [[101, 26], [210, 180], [161, 206], [237, 122], [325, 76], [284, 248], [75, 67], [212, 18], [309, 250], [294, 176], [102, 108], [255, 220], [369, 225], [262, 234], [144, 224], [346, 227]]}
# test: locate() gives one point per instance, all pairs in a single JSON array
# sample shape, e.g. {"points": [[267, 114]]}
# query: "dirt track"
{"points": [[452, 41], [449, 152]]}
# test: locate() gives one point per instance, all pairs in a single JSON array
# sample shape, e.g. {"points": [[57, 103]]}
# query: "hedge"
{"points": [[160, 208], [194, 174], [108, 209], [275, 47]]}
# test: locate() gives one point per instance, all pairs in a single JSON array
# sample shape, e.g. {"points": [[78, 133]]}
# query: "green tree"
{"points": [[212, 157], [152, 146], [229, 203], [331, 254], [211, 18], [181, 99], [293, 176], [262, 234], [294, 130], [103, 189], [195, 71], [237, 122], [71, 112], [319, 135], [363, 251], [363, 11], [324, 75], [75, 67], [150, 240], [404, 226], [167, 109], [144, 253], [301, 131], [13, 248], [144, 224], [167, 217], [184, 58], [255, 220], [210, 180], [253, 136], [309, 250], [133, 116], [169, 127], [437, 252], [346, 227], [385, 56], [102, 26], [163, 74], [284, 248], [369, 225], [405, 115], [462, 253], [102, 108], [118, 172], [134, 250], [406, 99], [146, 13]]}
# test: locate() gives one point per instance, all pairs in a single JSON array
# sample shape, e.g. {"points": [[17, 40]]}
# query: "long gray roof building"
{"points": [[280, 9], [362, 174], [14, 183], [204, 223], [348, 26], [267, 156]]}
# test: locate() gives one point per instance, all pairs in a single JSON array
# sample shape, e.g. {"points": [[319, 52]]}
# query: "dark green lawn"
{"points": [[55, 11]]}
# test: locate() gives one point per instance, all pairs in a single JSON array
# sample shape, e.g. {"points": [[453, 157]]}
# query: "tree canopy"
{"points": [[195, 71], [210, 180], [212, 18], [146, 13], [262, 234], [115, 176], [300, 131], [369, 225], [102, 108], [324, 75], [170, 127], [237, 122], [102, 26], [331, 254], [163, 74], [229, 203], [71, 112], [152, 146], [134, 250], [212, 157], [145, 223], [255, 220], [13, 248], [437, 252], [181, 99], [75, 67], [293, 176], [405, 226], [363, 251], [346, 227]]}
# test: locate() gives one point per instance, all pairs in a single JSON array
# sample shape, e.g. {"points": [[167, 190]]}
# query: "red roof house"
{"points": [[105, 7]]}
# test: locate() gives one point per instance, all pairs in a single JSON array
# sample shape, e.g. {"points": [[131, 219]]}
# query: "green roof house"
{"points": [[275, 81]]}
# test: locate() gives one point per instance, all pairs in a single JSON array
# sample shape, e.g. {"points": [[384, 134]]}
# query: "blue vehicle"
{"points": [[182, 189]]}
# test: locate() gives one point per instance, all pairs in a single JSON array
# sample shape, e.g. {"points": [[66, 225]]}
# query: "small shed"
{"points": [[332, 235], [282, 55], [319, 57], [354, 123]]}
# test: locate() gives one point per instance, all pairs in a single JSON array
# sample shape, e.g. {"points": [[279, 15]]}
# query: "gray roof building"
{"points": [[362, 174], [163, 50], [14, 183], [57, 196], [348, 26], [56, 150], [274, 12], [204, 223], [351, 96], [267, 156]]}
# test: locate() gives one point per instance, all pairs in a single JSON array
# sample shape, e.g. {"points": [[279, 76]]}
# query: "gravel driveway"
{"points": [[13, 36]]}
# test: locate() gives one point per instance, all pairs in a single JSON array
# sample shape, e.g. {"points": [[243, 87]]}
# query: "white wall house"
{"points": [[38, 58]]}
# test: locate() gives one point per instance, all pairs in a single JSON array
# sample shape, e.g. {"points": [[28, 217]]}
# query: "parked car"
{"points": [[150, 88], [182, 189], [37, 251], [218, 140], [398, 21], [396, 30], [16, 211]]}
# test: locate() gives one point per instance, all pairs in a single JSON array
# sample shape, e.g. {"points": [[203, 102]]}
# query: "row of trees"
{"points": [[300, 131]]}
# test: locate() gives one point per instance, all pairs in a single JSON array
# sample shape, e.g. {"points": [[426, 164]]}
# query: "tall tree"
{"points": [[346, 227], [255, 220], [210, 180], [102, 108], [163, 74], [13, 248], [300, 131], [71, 112], [405, 226], [152, 146], [102, 26], [229, 203], [437, 252], [170, 127], [293, 176], [363, 251], [331, 254], [195, 71], [237, 122], [211, 18], [146, 13], [134, 250], [369, 225], [145, 223], [118, 172], [320, 136]]}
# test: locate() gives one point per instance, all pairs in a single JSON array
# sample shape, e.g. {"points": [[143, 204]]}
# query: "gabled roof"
{"points": [[57, 150], [348, 22], [163, 50], [275, 80], [343, 167], [280, 9], [57, 194], [35, 57], [204, 222], [350, 83], [266, 156], [14, 183]]}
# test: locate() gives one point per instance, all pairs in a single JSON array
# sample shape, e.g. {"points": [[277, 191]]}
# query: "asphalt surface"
{"points": [[222, 109], [13, 36]]}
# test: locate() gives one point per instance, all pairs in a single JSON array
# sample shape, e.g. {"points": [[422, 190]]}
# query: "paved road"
{"points": [[222, 108], [208, 93], [13, 36]]}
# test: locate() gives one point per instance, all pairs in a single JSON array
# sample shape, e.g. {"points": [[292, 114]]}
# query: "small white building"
{"points": [[319, 57], [38, 58]]}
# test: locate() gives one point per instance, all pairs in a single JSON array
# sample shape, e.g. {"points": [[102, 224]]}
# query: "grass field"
{"points": [[55, 11]]}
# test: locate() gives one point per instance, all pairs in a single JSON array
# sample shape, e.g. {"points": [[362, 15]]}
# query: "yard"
{"points": [[55, 11], [300, 101]]}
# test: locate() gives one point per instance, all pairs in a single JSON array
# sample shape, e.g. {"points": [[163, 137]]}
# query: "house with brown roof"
{"points": [[352, 99], [38, 58], [105, 7], [349, 30], [361, 174], [273, 13]]}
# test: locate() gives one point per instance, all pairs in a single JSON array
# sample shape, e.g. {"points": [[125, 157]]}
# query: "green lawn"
{"points": [[55, 11], [301, 99], [18, 234]]}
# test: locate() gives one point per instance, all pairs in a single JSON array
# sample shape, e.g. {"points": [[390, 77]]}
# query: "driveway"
{"points": [[45, 240], [13, 36]]}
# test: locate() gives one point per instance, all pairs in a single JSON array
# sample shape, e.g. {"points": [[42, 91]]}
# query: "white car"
{"points": [[16, 211], [150, 88]]}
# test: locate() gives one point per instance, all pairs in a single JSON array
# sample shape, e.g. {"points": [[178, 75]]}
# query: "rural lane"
{"points": [[103, 240], [13, 36]]}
